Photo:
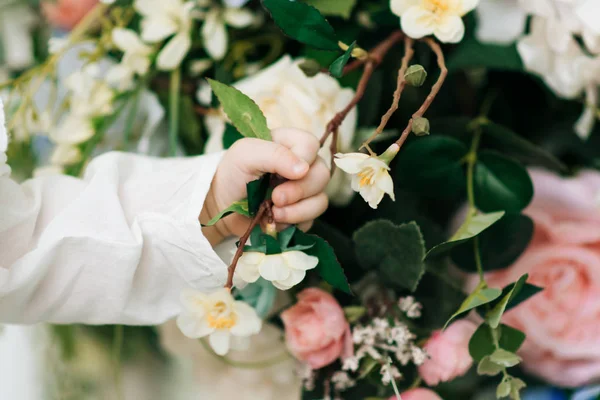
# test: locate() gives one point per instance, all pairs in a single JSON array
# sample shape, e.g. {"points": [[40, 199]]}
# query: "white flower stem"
{"points": [[174, 93], [392, 380]]}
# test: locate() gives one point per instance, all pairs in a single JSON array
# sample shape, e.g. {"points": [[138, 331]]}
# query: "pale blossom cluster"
{"points": [[562, 45]]}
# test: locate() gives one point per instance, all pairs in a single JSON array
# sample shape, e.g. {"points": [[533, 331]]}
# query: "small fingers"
{"points": [[303, 144], [312, 184], [302, 211]]}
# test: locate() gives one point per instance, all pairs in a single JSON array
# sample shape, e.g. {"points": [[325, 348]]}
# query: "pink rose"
{"points": [[449, 353], [66, 14], [562, 323], [316, 329], [418, 394]]}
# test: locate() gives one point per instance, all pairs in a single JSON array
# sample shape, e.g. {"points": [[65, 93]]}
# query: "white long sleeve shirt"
{"points": [[117, 246]]}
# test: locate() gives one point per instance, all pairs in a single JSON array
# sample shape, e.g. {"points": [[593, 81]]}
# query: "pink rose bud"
{"points": [[449, 353], [66, 14], [316, 330], [418, 394]]}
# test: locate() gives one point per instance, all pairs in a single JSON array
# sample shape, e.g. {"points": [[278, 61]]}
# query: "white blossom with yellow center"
{"points": [[370, 174], [284, 270], [442, 18], [227, 323]]}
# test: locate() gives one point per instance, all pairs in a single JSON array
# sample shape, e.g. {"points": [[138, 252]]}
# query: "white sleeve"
{"points": [[115, 247]]}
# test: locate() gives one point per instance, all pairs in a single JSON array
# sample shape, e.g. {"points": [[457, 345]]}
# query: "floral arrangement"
{"points": [[461, 255]]}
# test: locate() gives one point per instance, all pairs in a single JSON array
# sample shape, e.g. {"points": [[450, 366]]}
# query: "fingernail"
{"points": [[300, 167]]}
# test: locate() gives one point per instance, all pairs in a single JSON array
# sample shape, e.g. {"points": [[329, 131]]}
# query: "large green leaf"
{"points": [[302, 22], [257, 192], [481, 343], [471, 227], [499, 246], [432, 165], [473, 54], [480, 296], [230, 136], [242, 111], [336, 8], [329, 268], [397, 251], [501, 183], [239, 207], [337, 67]]}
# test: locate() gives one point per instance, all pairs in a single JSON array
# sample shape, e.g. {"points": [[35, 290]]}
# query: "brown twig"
{"points": [[401, 84], [435, 47], [205, 110], [264, 208]]}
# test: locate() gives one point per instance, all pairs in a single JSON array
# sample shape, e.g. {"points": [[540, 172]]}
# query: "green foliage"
{"points": [[501, 183], [257, 192], [303, 23], [480, 296], [504, 358], [396, 251], [471, 227], [239, 207], [336, 8], [242, 111], [512, 295], [337, 67], [500, 245], [497, 309], [230, 136], [482, 342], [473, 54]]}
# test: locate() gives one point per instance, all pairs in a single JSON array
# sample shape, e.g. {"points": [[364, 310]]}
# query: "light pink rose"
{"points": [[316, 329], [418, 394], [66, 14], [449, 353], [562, 323]]}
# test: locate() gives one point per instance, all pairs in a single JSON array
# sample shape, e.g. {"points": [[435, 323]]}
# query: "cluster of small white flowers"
{"points": [[342, 381], [410, 307], [307, 375], [389, 372], [570, 67]]}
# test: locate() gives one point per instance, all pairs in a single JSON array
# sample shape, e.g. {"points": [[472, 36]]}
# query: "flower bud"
{"points": [[310, 67], [415, 75], [420, 126], [359, 53]]}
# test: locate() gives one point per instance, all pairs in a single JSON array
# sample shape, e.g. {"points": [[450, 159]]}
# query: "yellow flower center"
{"points": [[219, 318], [436, 6], [366, 176]]}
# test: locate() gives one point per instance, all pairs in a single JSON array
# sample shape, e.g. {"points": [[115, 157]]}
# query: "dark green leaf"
{"points": [[432, 165], [397, 251], [482, 343], [303, 23], [518, 292], [329, 268], [239, 207], [481, 295], [499, 246], [242, 111], [501, 183], [256, 236], [506, 138], [496, 310], [230, 136], [336, 69], [257, 192], [471, 227], [285, 236], [472, 54], [511, 339], [337, 8], [272, 245]]}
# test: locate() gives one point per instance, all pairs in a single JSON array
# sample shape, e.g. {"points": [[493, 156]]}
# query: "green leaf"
{"points": [[472, 54], [471, 227], [499, 246], [503, 389], [272, 245], [517, 293], [487, 367], [397, 251], [336, 8], [285, 236], [354, 313], [303, 23], [257, 192], [507, 139], [230, 136], [482, 342], [500, 183], [494, 315], [336, 69], [242, 111], [504, 358], [239, 207], [481, 295], [433, 165], [329, 268]]}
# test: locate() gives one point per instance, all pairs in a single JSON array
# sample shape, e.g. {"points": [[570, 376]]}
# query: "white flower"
{"points": [[136, 58], [289, 98], [4, 168], [17, 21], [284, 270], [442, 18], [57, 44], [214, 32], [226, 322], [48, 170], [65, 154], [370, 176], [165, 18]]}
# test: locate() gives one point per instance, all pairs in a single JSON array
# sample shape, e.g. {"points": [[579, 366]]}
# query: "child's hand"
{"points": [[293, 155]]}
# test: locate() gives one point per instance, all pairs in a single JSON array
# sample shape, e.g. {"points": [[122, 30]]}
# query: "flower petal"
{"points": [[157, 28], [174, 52], [469, 5], [127, 40], [350, 162], [417, 22], [500, 22], [247, 268], [193, 326], [384, 182], [450, 29], [247, 323], [300, 260], [296, 276], [238, 17], [219, 341], [399, 7], [274, 268], [214, 35]]}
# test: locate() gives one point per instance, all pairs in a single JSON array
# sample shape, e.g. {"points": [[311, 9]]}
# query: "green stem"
{"points": [[117, 348], [246, 365], [131, 117], [174, 93], [478, 259]]}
